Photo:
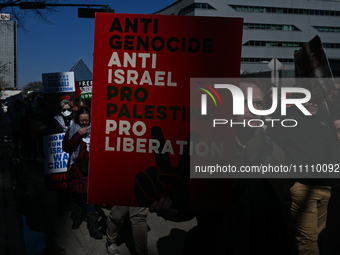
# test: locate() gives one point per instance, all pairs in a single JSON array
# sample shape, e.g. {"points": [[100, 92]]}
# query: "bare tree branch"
{"points": [[35, 85], [21, 15]]}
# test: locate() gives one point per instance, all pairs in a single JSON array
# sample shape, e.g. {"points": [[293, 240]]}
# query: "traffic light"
{"points": [[91, 13], [32, 5]]}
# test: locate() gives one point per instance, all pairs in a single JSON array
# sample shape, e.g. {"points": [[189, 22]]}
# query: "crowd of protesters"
{"points": [[27, 122], [267, 216], [275, 216]]}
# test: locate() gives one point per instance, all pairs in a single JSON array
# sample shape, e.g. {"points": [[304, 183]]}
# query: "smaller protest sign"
{"points": [[52, 101], [55, 162], [58, 82], [56, 181], [311, 61], [85, 88], [56, 88]]}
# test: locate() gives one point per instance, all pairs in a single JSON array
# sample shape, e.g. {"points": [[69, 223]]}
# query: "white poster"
{"points": [[56, 159], [58, 82]]}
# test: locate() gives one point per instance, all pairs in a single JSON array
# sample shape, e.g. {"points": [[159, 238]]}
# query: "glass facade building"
{"points": [[273, 29], [8, 52]]}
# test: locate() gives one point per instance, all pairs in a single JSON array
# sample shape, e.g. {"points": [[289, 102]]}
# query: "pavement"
{"points": [[31, 224]]}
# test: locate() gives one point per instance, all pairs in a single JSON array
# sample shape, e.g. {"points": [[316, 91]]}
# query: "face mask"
{"points": [[66, 113]]}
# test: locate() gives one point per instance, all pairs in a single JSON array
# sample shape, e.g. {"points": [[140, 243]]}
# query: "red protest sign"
{"points": [[141, 101]]}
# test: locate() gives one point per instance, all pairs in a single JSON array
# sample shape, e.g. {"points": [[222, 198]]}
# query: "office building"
{"points": [[81, 71], [273, 29], [8, 52]]}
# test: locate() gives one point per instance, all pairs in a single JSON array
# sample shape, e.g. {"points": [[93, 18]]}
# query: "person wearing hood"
{"points": [[64, 119]]}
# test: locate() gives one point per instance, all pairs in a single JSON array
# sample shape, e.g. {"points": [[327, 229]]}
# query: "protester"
{"points": [[38, 122], [333, 106], [313, 141], [139, 226], [258, 219], [59, 124], [76, 142], [332, 234], [64, 119], [15, 116]]}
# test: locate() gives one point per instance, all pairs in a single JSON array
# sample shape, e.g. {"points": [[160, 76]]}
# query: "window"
{"points": [[327, 29], [279, 44], [245, 8], [270, 26], [192, 7], [286, 44], [283, 60]]}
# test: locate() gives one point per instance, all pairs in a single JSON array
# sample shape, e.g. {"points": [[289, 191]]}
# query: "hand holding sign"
{"points": [[163, 208], [82, 131], [164, 180]]}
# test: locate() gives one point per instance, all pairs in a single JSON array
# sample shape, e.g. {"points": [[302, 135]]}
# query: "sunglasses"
{"points": [[64, 110]]}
